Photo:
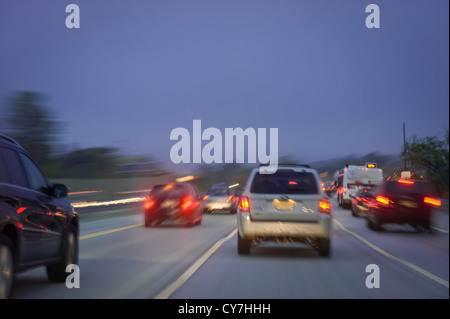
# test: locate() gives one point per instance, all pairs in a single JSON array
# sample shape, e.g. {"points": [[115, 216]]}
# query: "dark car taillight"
{"points": [[432, 201], [383, 200]]}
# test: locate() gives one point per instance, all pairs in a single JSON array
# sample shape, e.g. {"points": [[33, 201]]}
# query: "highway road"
{"points": [[121, 259]]}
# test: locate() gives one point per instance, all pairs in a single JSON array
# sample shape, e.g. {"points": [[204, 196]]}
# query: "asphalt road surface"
{"points": [[121, 259]]}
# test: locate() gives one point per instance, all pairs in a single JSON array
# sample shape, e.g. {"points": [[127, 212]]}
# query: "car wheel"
{"points": [[244, 245], [57, 272], [374, 224], [148, 222], [323, 247], [354, 214], [6, 267]]}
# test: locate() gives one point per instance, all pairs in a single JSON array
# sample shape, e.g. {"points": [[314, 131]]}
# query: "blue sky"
{"points": [[135, 70]]}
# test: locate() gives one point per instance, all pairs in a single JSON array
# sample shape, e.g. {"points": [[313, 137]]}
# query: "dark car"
{"points": [[402, 202], [173, 202], [38, 226], [359, 204]]}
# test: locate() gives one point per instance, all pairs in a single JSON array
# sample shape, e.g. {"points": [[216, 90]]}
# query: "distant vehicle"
{"points": [[353, 178], [402, 202], [175, 202], [328, 187], [217, 198], [286, 206], [38, 226], [360, 203], [236, 195]]}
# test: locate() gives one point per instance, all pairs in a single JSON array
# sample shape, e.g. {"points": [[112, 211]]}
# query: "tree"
{"points": [[31, 124], [95, 162], [430, 155]]}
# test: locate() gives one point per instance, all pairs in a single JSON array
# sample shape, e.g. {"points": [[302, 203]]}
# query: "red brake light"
{"points": [[382, 200], [149, 203], [244, 204], [324, 206], [432, 201], [229, 198], [405, 181], [205, 197], [186, 203]]}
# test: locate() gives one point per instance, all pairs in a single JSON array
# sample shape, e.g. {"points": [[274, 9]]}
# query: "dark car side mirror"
{"points": [[59, 190]]}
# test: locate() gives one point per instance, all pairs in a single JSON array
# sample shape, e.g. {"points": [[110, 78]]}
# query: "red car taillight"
{"points": [[187, 203], [432, 201], [149, 203], [244, 204]]}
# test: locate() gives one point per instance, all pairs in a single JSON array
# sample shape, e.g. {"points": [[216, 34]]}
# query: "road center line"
{"points": [[395, 258], [165, 294], [109, 231]]}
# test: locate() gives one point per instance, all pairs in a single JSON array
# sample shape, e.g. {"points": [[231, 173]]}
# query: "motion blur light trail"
{"points": [[107, 203]]}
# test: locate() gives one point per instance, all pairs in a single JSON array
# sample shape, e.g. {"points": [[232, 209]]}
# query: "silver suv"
{"points": [[286, 206]]}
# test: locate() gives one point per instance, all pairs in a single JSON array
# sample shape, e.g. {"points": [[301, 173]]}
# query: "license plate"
{"points": [[168, 204], [284, 205], [408, 203]]}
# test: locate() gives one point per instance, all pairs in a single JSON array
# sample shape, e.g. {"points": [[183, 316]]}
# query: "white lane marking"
{"points": [[395, 258], [169, 290]]}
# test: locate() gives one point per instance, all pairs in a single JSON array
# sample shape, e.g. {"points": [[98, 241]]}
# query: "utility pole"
{"points": [[404, 145]]}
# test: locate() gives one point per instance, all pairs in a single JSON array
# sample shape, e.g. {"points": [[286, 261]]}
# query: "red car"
{"points": [[402, 202], [173, 202]]}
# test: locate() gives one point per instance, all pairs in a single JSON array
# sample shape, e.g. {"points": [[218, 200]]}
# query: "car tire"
{"points": [[243, 245], [6, 267], [374, 225], [323, 247], [57, 272], [354, 214]]}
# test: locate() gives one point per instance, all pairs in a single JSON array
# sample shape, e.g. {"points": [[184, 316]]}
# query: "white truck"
{"points": [[353, 178]]}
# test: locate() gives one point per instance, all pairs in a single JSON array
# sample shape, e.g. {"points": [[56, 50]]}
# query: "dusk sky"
{"points": [[136, 70]]}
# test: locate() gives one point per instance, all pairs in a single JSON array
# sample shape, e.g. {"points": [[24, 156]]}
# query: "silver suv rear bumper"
{"points": [[252, 230]]}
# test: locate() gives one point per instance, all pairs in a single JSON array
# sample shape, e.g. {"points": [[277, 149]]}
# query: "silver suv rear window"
{"points": [[284, 182]]}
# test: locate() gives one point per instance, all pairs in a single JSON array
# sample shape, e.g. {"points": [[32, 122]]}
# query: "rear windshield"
{"points": [[169, 191], [416, 188], [285, 182], [218, 192]]}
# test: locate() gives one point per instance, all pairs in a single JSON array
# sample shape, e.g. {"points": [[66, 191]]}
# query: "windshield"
{"points": [[285, 182]]}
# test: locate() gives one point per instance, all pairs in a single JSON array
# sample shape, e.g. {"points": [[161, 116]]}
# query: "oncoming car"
{"points": [[288, 206], [38, 226], [176, 202]]}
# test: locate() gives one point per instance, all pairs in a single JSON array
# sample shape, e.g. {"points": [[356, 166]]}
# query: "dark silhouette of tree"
{"points": [[32, 124]]}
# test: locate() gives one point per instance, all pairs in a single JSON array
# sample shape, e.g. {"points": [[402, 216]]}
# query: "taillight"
{"points": [[382, 200], [244, 204], [229, 198], [403, 181], [186, 203], [432, 201], [345, 189], [324, 206], [205, 197], [149, 203]]}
